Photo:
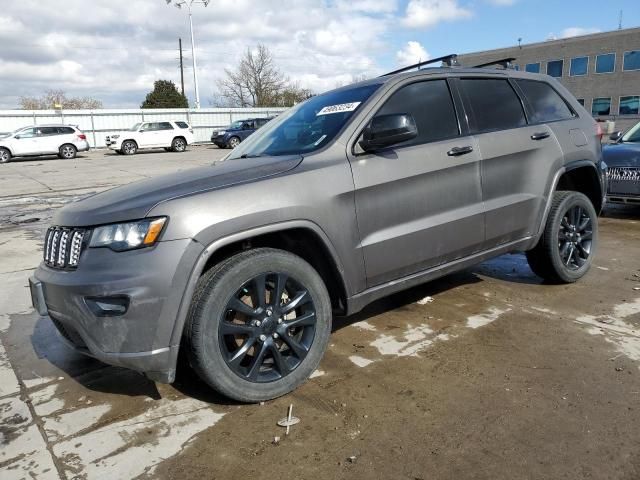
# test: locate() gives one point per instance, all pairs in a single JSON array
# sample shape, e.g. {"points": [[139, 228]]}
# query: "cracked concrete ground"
{"points": [[487, 373]]}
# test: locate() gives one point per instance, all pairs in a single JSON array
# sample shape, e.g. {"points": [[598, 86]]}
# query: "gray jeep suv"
{"points": [[350, 196]]}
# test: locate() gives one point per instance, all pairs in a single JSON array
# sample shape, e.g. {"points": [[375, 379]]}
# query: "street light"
{"points": [[189, 4]]}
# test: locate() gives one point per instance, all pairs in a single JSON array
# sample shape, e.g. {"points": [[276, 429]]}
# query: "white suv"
{"points": [[168, 135], [63, 140]]}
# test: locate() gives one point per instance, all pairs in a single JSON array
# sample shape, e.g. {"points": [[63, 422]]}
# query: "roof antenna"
{"points": [[620, 21]]}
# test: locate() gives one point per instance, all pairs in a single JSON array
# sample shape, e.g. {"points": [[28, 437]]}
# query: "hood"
{"points": [[133, 201], [622, 154]]}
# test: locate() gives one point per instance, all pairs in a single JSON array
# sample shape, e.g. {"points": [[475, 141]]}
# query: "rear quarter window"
{"points": [[494, 104], [545, 104], [182, 124], [66, 130]]}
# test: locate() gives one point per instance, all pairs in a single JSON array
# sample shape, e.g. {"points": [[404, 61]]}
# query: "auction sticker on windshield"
{"points": [[343, 107]]}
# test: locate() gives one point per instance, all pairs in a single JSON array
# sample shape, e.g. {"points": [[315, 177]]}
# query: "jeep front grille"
{"points": [[630, 174], [62, 246]]}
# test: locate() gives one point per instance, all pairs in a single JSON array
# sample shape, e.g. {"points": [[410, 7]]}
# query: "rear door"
{"points": [[419, 203], [165, 134], [517, 157], [49, 139]]}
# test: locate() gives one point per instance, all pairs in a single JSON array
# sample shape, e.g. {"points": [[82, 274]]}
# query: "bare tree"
{"points": [[53, 99], [257, 82]]}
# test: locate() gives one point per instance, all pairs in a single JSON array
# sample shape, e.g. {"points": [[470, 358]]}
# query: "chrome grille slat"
{"points": [[629, 174], [63, 247]]}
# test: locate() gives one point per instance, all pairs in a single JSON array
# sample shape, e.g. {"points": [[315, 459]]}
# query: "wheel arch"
{"points": [[300, 237], [579, 176]]}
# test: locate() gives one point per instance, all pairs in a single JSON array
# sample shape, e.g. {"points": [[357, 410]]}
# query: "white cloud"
{"points": [[577, 31], [502, 3], [426, 13], [412, 53], [368, 6]]}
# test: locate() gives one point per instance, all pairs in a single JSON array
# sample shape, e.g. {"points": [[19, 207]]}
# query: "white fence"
{"points": [[99, 123]]}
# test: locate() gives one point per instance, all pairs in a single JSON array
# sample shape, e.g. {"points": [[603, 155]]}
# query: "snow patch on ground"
{"points": [[317, 373], [412, 341], [477, 321], [360, 361], [364, 325], [135, 446]]}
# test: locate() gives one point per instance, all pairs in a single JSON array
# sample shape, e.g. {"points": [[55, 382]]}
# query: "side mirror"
{"points": [[17, 137], [615, 136], [385, 130]]}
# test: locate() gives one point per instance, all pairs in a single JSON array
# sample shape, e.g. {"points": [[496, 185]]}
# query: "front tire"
{"points": [[67, 151], [565, 251], [233, 142], [129, 147], [179, 144], [5, 155], [258, 324]]}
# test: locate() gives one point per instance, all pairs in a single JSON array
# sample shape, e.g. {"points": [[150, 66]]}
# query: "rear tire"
{"points": [[5, 155], [179, 144], [129, 147], [67, 151], [258, 353], [565, 250]]}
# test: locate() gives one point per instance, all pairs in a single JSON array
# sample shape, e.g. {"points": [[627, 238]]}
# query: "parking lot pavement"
{"points": [[483, 374]]}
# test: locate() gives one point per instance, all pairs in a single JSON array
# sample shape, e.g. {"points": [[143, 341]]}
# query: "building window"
{"points": [[580, 101], [579, 66], [606, 63], [554, 68], [630, 105], [631, 60], [601, 106], [532, 67]]}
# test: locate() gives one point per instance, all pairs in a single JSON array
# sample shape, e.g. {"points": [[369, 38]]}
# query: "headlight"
{"points": [[127, 236], [115, 136], [221, 132]]}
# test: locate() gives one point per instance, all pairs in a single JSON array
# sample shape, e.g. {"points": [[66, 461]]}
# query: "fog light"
{"points": [[108, 306]]}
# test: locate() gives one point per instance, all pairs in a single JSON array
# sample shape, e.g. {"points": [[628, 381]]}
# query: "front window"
{"points": [[601, 107], [606, 63], [579, 66], [554, 68], [306, 127], [633, 135]]}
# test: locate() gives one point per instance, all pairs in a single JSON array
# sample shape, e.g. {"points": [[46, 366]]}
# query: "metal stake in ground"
{"points": [[289, 420]]}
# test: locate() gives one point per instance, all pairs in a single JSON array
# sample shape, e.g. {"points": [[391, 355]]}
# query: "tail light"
{"points": [[599, 132], [82, 136]]}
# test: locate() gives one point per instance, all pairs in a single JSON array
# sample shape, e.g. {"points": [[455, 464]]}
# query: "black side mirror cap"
{"points": [[615, 136], [386, 130]]}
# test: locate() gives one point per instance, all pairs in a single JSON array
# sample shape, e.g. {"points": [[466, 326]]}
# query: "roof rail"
{"points": [[450, 60], [506, 63]]}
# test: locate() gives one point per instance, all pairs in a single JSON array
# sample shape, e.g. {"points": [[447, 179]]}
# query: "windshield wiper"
{"points": [[249, 155]]}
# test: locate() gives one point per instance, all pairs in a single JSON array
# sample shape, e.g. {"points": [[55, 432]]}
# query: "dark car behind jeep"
{"points": [[623, 166], [349, 196], [231, 136]]}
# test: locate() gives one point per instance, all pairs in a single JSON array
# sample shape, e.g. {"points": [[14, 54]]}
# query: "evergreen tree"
{"points": [[165, 95]]}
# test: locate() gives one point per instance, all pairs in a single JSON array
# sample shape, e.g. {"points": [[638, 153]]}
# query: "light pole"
{"points": [[189, 4]]}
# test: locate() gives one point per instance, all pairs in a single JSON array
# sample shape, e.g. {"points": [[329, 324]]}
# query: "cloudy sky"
{"points": [[113, 50]]}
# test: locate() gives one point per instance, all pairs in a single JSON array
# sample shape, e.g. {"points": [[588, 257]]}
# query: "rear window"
{"points": [[545, 103], [48, 130], [182, 124], [494, 104]]}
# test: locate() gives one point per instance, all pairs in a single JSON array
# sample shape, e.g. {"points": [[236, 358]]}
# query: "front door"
{"points": [[25, 142], [419, 203]]}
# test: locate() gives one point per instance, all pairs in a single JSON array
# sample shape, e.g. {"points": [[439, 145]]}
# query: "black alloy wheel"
{"points": [[575, 237]]}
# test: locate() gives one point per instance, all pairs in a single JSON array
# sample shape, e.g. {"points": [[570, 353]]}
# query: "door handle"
{"points": [[539, 135], [455, 151]]}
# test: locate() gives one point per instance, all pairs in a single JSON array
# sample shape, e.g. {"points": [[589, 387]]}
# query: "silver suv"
{"points": [[62, 140], [350, 196]]}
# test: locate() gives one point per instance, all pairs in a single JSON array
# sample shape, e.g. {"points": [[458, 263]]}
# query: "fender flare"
{"points": [[554, 184], [214, 246]]}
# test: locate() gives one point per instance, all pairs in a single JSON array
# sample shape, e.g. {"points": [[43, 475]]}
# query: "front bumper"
{"points": [[150, 281], [220, 141]]}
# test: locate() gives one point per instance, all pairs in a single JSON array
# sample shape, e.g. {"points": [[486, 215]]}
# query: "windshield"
{"points": [[237, 124], [135, 127], [633, 135], [306, 127]]}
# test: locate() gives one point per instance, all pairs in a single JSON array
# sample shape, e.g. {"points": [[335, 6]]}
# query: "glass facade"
{"points": [[601, 106], [630, 105], [606, 63], [532, 67], [631, 60], [579, 66], [554, 68]]}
